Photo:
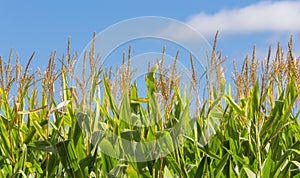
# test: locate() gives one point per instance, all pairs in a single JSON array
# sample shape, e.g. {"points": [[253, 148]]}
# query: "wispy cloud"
{"points": [[262, 17]]}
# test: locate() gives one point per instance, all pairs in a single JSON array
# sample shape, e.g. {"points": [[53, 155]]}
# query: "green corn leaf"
{"points": [[280, 165], [266, 167], [45, 146], [249, 173], [235, 106], [131, 172], [39, 128], [110, 97], [69, 158], [167, 173], [125, 111], [296, 163], [150, 81], [201, 167], [4, 137], [221, 165], [173, 165], [118, 171]]}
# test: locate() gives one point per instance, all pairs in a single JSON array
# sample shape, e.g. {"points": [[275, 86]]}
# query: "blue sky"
{"points": [[28, 26]]}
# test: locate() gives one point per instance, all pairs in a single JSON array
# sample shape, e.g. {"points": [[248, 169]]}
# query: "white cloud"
{"points": [[281, 16]]}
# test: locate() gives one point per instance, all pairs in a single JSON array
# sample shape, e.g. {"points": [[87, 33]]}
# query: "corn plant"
{"points": [[249, 129]]}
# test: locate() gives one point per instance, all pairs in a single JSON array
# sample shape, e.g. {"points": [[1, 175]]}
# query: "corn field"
{"points": [[245, 128]]}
